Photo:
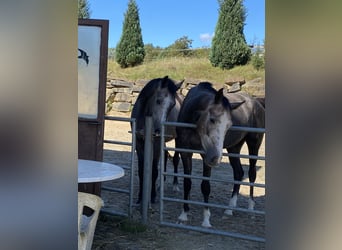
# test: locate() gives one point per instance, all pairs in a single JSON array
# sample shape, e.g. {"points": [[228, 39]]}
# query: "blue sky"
{"points": [[164, 21]]}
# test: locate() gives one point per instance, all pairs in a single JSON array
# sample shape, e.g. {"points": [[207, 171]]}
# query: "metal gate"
{"points": [[162, 174], [128, 170], [164, 198]]}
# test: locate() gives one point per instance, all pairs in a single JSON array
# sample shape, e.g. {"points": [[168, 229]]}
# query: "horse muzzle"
{"points": [[213, 161]]}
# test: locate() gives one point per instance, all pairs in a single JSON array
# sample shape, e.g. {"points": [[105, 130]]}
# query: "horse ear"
{"points": [[164, 82], [235, 105], [178, 85], [219, 96]]}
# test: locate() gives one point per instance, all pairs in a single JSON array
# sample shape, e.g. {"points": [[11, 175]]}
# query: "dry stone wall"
{"points": [[121, 94]]}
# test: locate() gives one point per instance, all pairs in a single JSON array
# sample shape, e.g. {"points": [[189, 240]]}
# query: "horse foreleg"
{"points": [[254, 141], [252, 177], [205, 188], [187, 163], [238, 175], [166, 156], [154, 179], [183, 217], [175, 162]]}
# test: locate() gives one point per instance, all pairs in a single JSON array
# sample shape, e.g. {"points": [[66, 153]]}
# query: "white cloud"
{"points": [[206, 37]]}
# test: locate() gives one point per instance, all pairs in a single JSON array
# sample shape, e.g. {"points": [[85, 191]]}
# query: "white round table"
{"points": [[96, 171]]}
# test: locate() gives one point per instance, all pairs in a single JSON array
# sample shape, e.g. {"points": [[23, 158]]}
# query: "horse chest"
{"points": [[233, 137]]}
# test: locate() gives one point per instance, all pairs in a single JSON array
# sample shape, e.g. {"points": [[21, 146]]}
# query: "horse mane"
{"points": [[198, 99], [149, 88], [141, 102], [209, 87]]}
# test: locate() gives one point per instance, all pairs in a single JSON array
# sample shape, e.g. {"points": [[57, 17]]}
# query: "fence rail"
{"points": [[164, 198], [129, 191]]}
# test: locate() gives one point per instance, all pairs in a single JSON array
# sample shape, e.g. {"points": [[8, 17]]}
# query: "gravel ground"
{"points": [[114, 232]]}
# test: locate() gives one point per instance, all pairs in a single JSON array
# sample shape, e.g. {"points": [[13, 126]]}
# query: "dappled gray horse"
{"points": [[210, 111], [156, 100]]}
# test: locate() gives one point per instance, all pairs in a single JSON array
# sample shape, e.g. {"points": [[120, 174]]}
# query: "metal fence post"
{"points": [[133, 147], [161, 170], [148, 154]]}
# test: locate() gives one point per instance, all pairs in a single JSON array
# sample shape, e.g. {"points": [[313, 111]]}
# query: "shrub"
{"points": [[258, 59]]}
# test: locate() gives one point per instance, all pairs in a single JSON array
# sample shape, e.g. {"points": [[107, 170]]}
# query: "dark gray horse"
{"points": [[156, 99], [250, 114], [210, 110]]}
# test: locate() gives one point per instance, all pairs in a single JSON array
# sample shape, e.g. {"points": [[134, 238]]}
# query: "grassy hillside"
{"points": [[183, 68]]}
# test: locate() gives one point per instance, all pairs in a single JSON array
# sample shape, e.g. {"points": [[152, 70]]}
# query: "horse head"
{"points": [[156, 99], [212, 124]]}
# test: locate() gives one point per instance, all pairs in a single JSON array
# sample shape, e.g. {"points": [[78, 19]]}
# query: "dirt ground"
{"points": [[117, 232]]}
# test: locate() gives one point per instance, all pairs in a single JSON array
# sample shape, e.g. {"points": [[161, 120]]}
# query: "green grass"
{"points": [[183, 68], [124, 224]]}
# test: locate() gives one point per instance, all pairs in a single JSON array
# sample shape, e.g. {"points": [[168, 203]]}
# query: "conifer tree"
{"points": [[229, 47], [130, 49]]}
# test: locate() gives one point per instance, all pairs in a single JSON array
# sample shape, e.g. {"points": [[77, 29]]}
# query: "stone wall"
{"points": [[121, 94]]}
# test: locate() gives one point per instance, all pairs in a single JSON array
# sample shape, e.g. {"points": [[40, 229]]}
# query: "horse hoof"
{"points": [[206, 224], [228, 212], [176, 188], [183, 217], [180, 222]]}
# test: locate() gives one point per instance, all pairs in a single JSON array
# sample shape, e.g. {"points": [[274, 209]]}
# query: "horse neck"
{"points": [[139, 112]]}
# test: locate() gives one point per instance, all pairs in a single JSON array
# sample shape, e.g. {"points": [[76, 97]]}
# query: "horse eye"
{"points": [[159, 102], [212, 120]]}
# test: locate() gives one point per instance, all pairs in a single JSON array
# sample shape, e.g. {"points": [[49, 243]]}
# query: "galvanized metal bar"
{"points": [[247, 129], [118, 190], [225, 154], [214, 231], [215, 180], [117, 142], [161, 172], [130, 208], [118, 118], [256, 157], [200, 203], [186, 150], [112, 212], [180, 124], [235, 128], [147, 175]]}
